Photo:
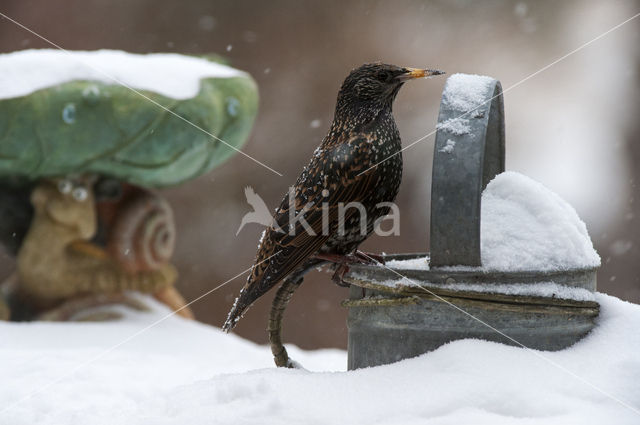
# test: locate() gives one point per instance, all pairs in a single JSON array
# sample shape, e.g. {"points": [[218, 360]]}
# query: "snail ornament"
{"points": [[58, 261]]}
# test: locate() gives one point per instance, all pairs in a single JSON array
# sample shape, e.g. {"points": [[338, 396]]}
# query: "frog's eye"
{"points": [[65, 186], [80, 193]]}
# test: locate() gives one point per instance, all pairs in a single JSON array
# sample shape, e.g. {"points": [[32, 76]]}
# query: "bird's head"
{"points": [[375, 85]]}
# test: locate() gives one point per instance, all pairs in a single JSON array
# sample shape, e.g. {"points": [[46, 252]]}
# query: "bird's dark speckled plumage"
{"points": [[363, 133]]}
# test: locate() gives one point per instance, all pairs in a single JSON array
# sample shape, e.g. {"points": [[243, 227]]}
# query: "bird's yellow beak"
{"points": [[419, 73]]}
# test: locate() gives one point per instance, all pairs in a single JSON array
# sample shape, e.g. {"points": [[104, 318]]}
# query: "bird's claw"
{"points": [[342, 263], [338, 275]]}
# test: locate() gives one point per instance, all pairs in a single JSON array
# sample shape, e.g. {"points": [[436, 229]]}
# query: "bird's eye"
{"points": [[385, 76]]}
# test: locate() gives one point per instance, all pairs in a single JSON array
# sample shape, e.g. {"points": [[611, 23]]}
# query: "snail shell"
{"points": [[143, 233]]}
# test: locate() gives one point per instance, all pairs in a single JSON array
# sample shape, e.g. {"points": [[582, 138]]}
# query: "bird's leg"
{"points": [[280, 302], [282, 298], [343, 260], [369, 257]]}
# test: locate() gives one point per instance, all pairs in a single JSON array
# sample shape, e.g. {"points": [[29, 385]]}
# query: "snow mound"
{"points": [[525, 226], [172, 75], [465, 92], [182, 372]]}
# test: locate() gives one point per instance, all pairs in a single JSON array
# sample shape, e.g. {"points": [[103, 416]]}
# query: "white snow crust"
{"points": [[448, 146], [172, 75], [465, 92], [181, 372], [457, 126], [538, 289], [420, 263]]}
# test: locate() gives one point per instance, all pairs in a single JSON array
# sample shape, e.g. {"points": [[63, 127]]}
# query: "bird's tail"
{"points": [[236, 312], [255, 288], [248, 294], [234, 315]]}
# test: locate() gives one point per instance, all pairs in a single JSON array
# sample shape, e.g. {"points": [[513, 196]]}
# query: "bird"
{"points": [[358, 161], [260, 213]]}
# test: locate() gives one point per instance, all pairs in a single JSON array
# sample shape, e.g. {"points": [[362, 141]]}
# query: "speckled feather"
{"points": [[362, 134]]}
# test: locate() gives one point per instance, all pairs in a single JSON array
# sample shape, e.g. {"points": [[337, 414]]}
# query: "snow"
{"points": [[525, 227], [172, 75], [181, 372], [448, 146], [620, 247], [457, 126], [538, 289], [465, 92], [420, 263]]}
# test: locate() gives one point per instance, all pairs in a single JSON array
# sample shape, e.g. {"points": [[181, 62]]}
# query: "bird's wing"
{"points": [[331, 178]]}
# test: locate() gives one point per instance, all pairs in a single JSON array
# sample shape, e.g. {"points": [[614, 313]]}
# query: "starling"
{"points": [[363, 134]]}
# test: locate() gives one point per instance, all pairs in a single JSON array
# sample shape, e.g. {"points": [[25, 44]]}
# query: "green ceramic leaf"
{"points": [[91, 127]]}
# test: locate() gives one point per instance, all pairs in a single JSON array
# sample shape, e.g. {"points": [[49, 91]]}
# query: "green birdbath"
{"points": [[70, 120], [151, 120]]}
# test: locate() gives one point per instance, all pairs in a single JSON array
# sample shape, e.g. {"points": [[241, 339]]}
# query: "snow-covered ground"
{"points": [[182, 372]]}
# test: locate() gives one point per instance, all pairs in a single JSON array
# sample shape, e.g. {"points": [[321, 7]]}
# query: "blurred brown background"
{"points": [[573, 127]]}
